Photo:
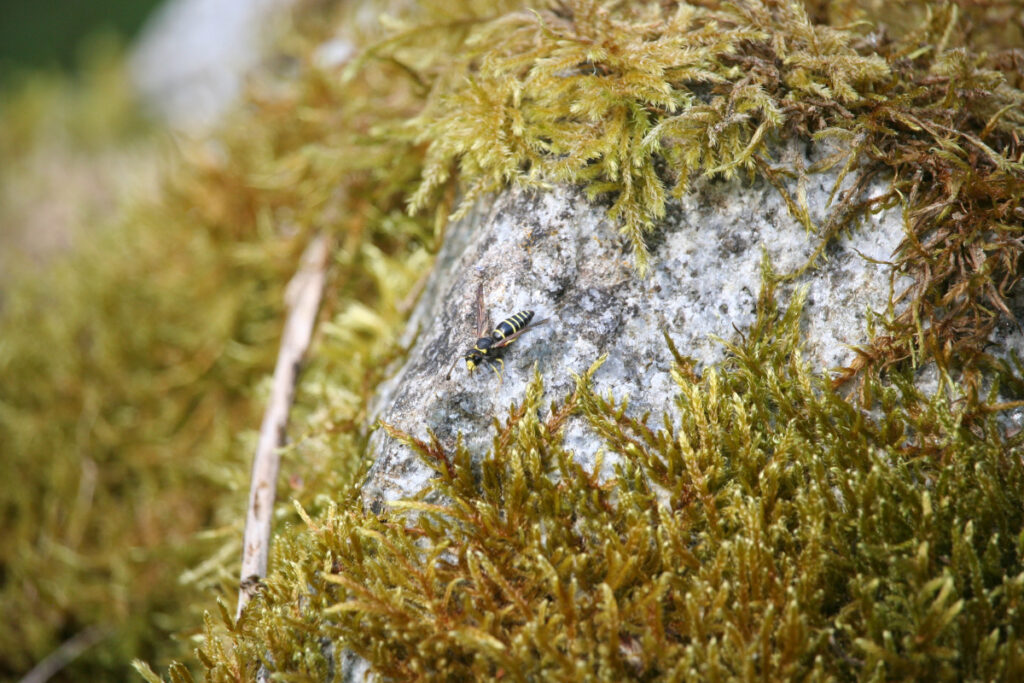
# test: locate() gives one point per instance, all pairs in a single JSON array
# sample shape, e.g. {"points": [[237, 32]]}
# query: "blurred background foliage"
{"points": [[141, 286]]}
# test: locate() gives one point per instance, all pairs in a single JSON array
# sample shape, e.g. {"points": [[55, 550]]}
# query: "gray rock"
{"points": [[556, 254]]}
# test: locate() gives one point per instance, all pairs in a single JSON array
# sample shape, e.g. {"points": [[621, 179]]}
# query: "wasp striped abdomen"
{"points": [[509, 326]]}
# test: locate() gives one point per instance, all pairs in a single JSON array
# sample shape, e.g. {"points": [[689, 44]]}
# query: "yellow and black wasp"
{"points": [[488, 348]]}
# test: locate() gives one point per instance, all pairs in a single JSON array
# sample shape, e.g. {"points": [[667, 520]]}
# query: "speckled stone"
{"points": [[555, 253]]}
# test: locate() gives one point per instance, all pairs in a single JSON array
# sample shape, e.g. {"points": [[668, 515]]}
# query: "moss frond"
{"points": [[769, 529], [634, 101]]}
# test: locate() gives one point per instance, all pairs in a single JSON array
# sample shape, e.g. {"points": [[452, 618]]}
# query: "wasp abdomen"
{"points": [[511, 325]]}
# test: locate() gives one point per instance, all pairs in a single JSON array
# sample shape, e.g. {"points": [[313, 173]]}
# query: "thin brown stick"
{"points": [[302, 299]]}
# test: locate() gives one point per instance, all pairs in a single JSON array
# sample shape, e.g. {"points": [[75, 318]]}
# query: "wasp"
{"points": [[487, 348]]}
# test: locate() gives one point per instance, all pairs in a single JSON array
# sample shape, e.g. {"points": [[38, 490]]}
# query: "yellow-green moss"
{"points": [[71, 150], [771, 529], [133, 366]]}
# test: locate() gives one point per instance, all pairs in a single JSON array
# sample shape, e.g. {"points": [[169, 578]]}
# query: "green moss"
{"points": [[634, 100], [134, 368], [767, 529], [72, 150]]}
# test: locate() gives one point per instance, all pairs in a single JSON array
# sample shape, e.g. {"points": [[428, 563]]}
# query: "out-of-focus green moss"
{"points": [[72, 151], [134, 364]]}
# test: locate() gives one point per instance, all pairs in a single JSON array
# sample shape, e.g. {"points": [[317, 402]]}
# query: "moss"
{"points": [[633, 101], [72, 150], [134, 367], [769, 529]]}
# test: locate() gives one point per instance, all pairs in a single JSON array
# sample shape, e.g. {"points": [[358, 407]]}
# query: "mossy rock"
{"points": [[749, 513]]}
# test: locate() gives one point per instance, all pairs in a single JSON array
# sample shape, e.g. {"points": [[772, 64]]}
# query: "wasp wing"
{"points": [[482, 323]]}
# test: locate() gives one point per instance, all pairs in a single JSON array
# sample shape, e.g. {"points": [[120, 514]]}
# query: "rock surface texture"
{"points": [[555, 253]]}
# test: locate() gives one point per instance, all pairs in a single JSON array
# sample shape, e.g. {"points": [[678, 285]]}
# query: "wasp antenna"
{"points": [[451, 367]]}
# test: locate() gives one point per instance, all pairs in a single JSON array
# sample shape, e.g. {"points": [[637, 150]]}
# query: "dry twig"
{"points": [[302, 299]]}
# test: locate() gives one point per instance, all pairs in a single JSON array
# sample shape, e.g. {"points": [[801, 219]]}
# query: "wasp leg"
{"points": [[490, 364]]}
